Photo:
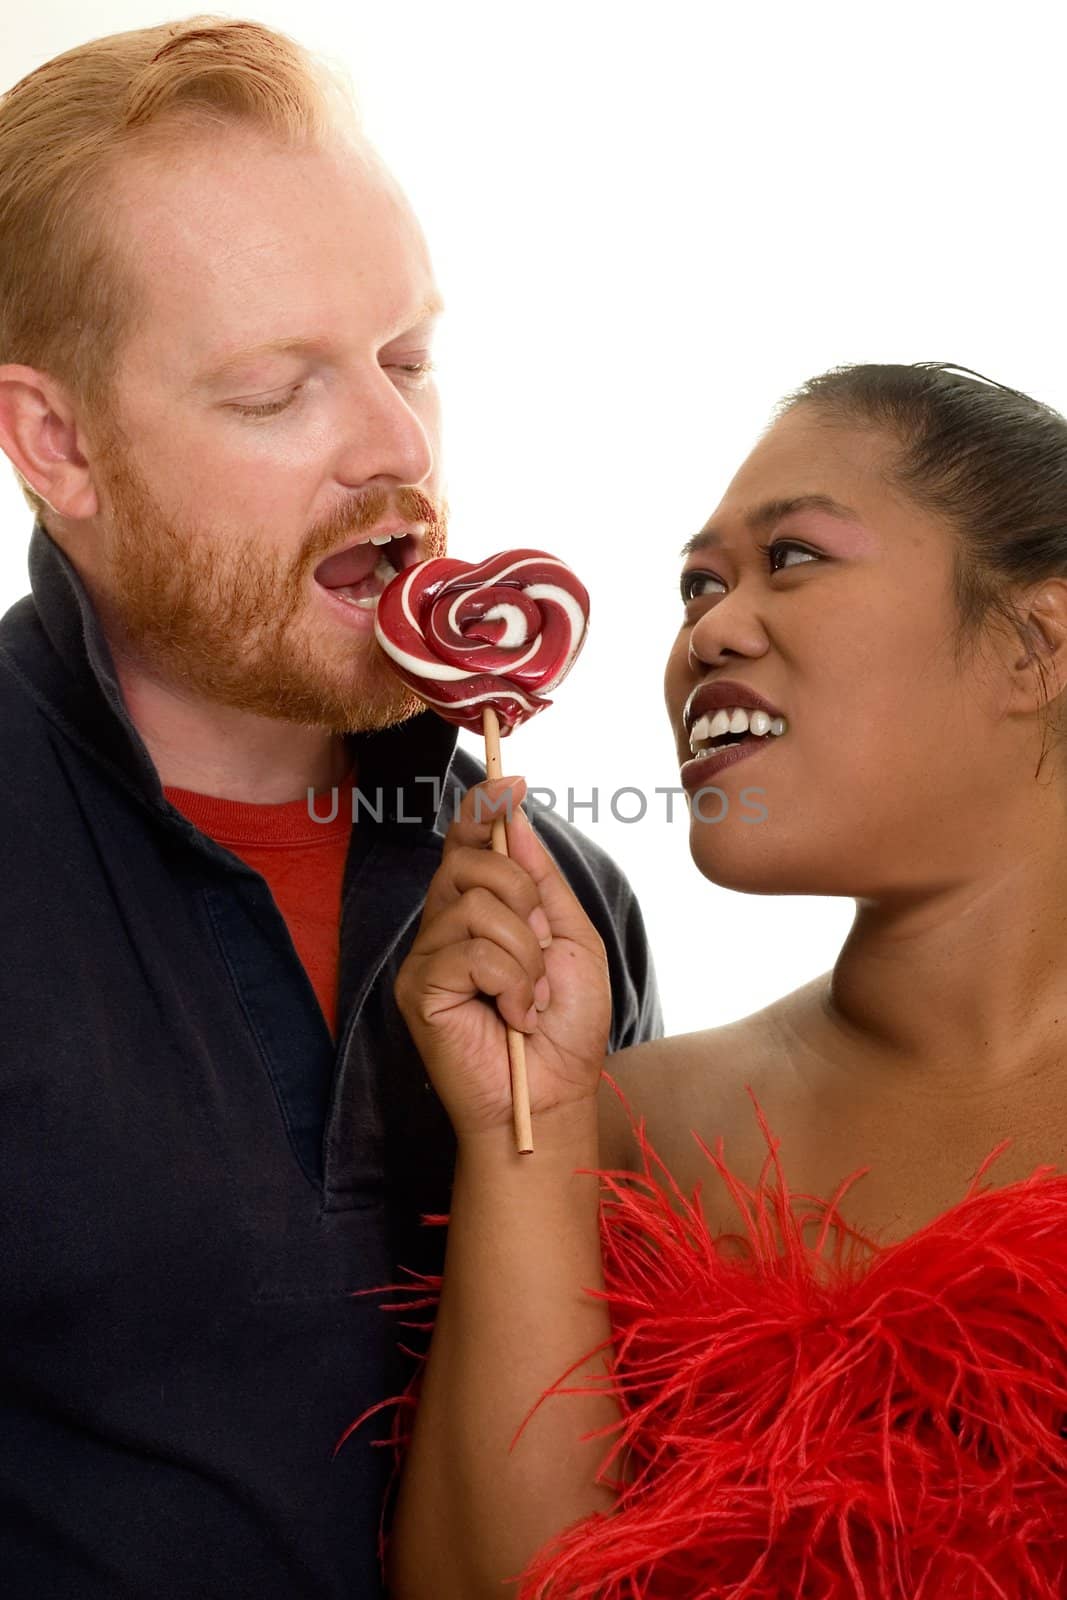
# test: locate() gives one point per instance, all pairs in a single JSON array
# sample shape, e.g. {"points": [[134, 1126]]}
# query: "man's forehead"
{"points": [[295, 259], [247, 207]]}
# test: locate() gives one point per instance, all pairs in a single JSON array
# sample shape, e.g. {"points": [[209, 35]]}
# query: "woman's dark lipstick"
{"points": [[702, 770], [709, 703]]}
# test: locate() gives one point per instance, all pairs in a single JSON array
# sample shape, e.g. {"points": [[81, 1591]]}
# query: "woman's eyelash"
{"points": [[763, 549], [782, 544]]}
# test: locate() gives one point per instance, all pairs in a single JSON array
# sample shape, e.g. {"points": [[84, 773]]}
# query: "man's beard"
{"points": [[217, 617]]}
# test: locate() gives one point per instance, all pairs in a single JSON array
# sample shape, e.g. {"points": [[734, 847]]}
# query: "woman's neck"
{"points": [[964, 989]]}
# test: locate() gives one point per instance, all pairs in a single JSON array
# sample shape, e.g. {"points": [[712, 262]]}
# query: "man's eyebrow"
{"points": [[764, 516], [431, 308]]}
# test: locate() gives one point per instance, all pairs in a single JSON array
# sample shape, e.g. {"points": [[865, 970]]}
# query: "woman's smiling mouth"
{"points": [[725, 722]]}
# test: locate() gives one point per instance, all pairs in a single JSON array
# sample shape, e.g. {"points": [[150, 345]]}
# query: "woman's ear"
{"points": [[1043, 621], [39, 434]]}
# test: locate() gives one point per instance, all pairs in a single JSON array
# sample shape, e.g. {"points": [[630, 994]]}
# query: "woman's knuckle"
{"points": [[478, 902]]}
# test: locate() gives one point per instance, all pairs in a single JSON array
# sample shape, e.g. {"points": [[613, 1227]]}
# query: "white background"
{"points": [[649, 222]]}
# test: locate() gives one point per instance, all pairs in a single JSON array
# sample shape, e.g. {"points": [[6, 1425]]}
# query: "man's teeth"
{"points": [[386, 538], [734, 719]]}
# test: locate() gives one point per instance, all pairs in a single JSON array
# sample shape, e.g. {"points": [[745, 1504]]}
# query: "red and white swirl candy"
{"points": [[499, 632]]}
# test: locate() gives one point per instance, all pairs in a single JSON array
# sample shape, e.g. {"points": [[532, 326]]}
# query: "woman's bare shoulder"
{"points": [[699, 1081], [685, 1083]]}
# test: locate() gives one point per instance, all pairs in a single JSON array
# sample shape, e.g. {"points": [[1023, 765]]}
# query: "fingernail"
{"points": [[542, 994], [539, 923]]}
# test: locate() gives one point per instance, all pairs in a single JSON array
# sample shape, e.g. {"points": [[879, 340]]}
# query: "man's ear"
{"points": [[40, 434], [1043, 616]]}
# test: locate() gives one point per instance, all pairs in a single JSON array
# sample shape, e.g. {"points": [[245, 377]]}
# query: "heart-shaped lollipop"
{"points": [[482, 643], [497, 633]]}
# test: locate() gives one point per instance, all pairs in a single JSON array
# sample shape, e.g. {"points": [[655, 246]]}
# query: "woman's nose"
{"points": [[727, 628]]}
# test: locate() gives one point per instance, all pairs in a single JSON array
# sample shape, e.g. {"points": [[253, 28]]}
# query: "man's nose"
{"points": [[385, 438]]}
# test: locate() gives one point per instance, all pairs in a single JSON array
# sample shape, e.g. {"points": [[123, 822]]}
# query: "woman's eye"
{"points": [[693, 585], [696, 585], [783, 544], [269, 408]]}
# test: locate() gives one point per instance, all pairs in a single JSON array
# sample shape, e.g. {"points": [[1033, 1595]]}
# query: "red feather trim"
{"points": [[876, 1424], [843, 1429]]}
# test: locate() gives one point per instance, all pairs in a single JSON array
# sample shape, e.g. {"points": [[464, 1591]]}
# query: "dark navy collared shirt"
{"points": [[194, 1178]]}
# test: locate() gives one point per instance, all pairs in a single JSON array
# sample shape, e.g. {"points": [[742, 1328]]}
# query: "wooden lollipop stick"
{"points": [[520, 1093]]}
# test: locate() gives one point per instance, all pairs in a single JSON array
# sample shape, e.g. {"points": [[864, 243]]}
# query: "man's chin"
{"points": [[374, 717], [378, 701], [247, 652], [375, 700]]}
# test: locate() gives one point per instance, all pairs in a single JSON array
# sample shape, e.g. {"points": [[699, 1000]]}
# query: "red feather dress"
{"points": [[875, 1423]]}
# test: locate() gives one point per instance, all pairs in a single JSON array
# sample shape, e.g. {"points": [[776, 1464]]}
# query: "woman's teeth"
{"points": [[737, 720]]}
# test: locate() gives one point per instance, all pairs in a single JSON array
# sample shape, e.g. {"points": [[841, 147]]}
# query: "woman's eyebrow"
{"points": [[767, 514]]}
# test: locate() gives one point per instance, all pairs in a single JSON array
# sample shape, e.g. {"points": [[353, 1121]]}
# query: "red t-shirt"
{"points": [[302, 860]]}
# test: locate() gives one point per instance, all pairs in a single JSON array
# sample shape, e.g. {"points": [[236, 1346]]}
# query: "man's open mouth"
{"points": [[360, 573]]}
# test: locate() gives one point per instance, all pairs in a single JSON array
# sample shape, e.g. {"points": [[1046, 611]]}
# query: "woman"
{"points": [[860, 1388]]}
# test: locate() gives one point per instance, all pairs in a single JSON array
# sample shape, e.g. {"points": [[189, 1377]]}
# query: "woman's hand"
{"points": [[504, 940], [523, 1238]]}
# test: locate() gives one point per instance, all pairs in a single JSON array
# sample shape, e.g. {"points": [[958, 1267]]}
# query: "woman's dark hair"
{"points": [[988, 459]]}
